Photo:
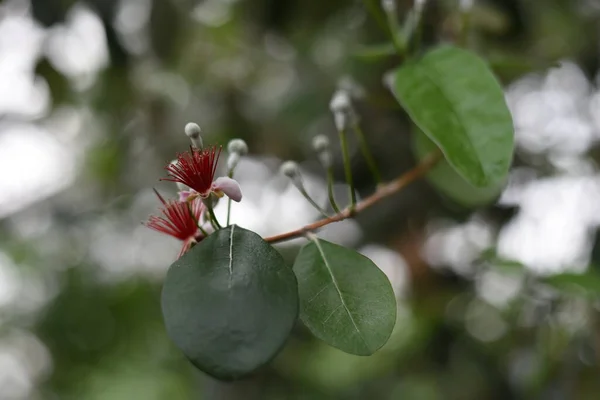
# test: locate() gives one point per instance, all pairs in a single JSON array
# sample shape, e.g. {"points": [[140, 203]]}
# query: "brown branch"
{"points": [[384, 191]]}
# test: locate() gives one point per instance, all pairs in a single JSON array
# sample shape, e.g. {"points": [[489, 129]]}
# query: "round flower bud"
{"points": [[389, 6], [320, 143], [466, 5], [193, 131], [326, 159], [233, 160], [290, 169], [237, 146], [343, 112], [340, 102]]}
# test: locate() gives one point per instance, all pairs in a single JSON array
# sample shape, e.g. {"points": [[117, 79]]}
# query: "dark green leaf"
{"points": [[230, 303], [449, 182], [454, 98], [587, 283], [345, 300]]}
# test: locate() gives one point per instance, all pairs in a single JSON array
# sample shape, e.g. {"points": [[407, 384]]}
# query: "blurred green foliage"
{"points": [[264, 71]]}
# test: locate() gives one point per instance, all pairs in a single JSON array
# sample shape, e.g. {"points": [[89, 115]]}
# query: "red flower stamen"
{"points": [[195, 169], [180, 219]]}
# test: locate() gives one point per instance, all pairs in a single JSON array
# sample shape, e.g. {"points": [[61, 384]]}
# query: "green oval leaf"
{"points": [[345, 299], [444, 178], [454, 98], [230, 303]]}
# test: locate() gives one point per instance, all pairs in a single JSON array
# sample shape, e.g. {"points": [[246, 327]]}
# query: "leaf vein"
{"points": [[337, 288], [231, 257]]}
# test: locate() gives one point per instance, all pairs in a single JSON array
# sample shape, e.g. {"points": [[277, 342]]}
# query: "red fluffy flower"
{"points": [[180, 220], [196, 169]]}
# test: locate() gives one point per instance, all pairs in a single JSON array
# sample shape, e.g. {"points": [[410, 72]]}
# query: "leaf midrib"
{"points": [[231, 257], [337, 288]]}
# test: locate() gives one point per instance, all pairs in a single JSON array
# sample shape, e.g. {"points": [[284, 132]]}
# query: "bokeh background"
{"points": [[94, 96]]}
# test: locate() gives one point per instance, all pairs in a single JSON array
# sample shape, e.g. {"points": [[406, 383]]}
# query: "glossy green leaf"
{"points": [[454, 98], [444, 178], [345, 299], [587, 284], [230, 303]]}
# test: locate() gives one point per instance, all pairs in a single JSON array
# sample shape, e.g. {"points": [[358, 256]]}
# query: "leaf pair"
{"points": [[230, 302]]}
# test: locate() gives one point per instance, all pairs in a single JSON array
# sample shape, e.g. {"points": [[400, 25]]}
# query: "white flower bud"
{"points": [[320, 143], [466, 5], [340, 102], [193, 131], [233, 160], [326, 159], [419, 5], [237, 146], [353, 88], [389, 6], [343, 112], [290, 169]]}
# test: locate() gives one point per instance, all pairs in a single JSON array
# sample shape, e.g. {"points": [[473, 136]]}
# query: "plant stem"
{"points": [[384, 191], [213, 217], [394, 29], [310, 200], [465, 17], [330, 190], [202, 229], [376, 14], [367, 153], [347, 168]]}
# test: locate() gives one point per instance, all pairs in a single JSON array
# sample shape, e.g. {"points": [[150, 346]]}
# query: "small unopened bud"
{"points": [[389, 6], [353, 88], [193, 131], [290, 169], [419, 5], [233, 160], [466, 5], [237, 146], [340, 102], [343, 112], [320, 143], [326, 159]]}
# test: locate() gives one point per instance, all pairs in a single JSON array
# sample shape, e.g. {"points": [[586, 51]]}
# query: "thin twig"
{"points": [[384, 191]]}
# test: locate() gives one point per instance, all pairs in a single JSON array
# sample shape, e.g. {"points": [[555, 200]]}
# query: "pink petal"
{"points": [[184, 194], [228, 186]]}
